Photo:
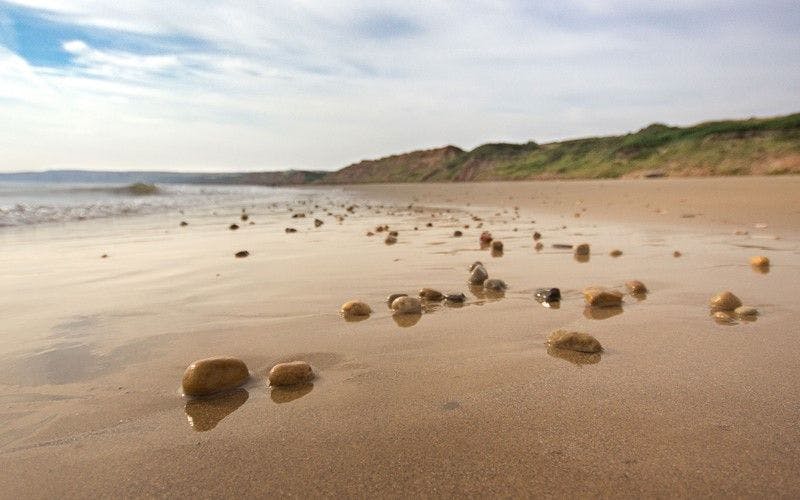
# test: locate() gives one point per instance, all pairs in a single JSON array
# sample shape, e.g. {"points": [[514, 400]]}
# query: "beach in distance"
{"points": [[108, 296]]}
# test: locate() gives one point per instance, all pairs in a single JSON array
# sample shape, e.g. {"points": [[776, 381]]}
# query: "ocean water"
{"points": [[37, 203]]}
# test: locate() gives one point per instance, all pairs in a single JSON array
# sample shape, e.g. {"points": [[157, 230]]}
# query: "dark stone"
{"points": [[548, 294], [290, 230], [241, 254], [233, 227], [456, 297]]}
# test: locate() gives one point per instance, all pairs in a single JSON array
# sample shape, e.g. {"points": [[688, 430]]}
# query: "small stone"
{"points": [[676, 254], [318, 222], [355, 308], [537, 236], [184, 223], [407, 305], [497, 246], [478, 275], [290, 230], [486, 237], [292, 373], [104, 256], [394, 233], [636, 287], [458, 234], [548, 295], [390, 240], [615, 253], [299, 215], [745, 311], [233, 227], [582, 249], [759, 261], [430, 295], [495, 285], [539, 245], [394, 296], [210, 375], [429, 224], [241, 254], [574, 341], [370, 233], [244, 217], [457, 298], [725, 301], [602, 297]]}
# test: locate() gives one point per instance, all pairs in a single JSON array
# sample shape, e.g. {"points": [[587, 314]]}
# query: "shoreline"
{"points": [[466, 401]]}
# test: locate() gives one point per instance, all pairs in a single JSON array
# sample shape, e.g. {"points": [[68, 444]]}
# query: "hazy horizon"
{"points": [[223, 87]]}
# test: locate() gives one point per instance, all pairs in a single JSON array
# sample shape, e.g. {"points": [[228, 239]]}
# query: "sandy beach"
{"points": [[462, 401]]}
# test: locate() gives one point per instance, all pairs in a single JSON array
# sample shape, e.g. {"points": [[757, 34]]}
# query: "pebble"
{"points": [[290, 230], [210, 375], [292, 373], [743, 311], [602, 297], [458, 234], [574, 341], [478, 275], [407, 305], [539, 246], [184, 223], [537, 236], [104, 256], [298, 215], [241, 254], [430, 294], [244, 217], [548, 294], [725, 301], [318, 222], [391, 298], [495, 285], [390, 240], [676, 253], [233, 227], [582, 249], [615, 253], [759, 261], [497, 246], [456, 298], [636, 287], [486, 237], [355, 308]]}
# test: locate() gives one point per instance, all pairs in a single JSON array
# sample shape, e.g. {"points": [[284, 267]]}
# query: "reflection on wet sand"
{"points": [[497, 253], [582, 258], [204, 414], [601, 312], [288, 394], [352, 318], [556, 304], [760, 269], [578, 358], [406, 320], [639, 296], [481, 293]]}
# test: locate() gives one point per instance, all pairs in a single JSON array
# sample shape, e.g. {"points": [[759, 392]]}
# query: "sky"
{"points": [[216, 85]]}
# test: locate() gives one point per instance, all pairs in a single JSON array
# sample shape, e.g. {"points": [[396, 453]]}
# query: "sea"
{"points": [[29, 203]]}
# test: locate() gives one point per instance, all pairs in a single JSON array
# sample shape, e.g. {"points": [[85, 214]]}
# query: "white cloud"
{"points": [[276, 84]]}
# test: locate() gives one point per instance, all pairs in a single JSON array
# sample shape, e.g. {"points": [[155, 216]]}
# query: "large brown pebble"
{"points": [[725, 301], [497, 246], [478, 275], [431, 294], [636, 287], [212, 375], [582, 249], [407, 305], [759, 261], [574, 341], [355, 308], [292, 373], [602, 297]]}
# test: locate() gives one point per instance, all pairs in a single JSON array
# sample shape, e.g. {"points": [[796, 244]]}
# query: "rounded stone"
{"points": [[636, 287], [184, 223], [743, 311], [539, 245], [574, 341], [211, 375], [292, 373], [478, 275], [759, 261], [241, 254], [495, 285], [676, 253], [456, 298], [407, 305], [458, 234], [497, 246], [430, 294], [537, 236], [486, 237], [582, 249], [355, 308], [602, 297], [390, 240], [725, 301], [391, 298], [615, 253], [233, 227]]}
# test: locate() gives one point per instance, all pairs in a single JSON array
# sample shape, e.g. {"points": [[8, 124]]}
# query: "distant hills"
{"points": [[761, 146]]}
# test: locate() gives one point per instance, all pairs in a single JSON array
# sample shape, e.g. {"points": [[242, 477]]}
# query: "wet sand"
{"points": [[460, 401]]}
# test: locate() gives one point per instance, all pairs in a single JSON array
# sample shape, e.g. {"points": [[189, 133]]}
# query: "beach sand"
{"points": [[464, 401]]}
